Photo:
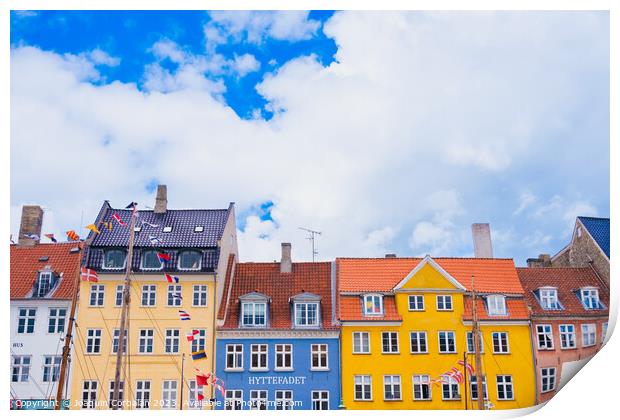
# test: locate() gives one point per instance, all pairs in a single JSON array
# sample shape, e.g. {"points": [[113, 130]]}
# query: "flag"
{"points": [[455, 374], [171, 279], [50, 236], [93, 228], [221, 389], [163, 257], [177, 296], [469, 367], [142, 222], [184, 316], [200, 354], [191, 336], [201, 396], [32, 236], [72, 235], [89, 275], [201, 378], [116, 217], [154, 240], [107, 225]]}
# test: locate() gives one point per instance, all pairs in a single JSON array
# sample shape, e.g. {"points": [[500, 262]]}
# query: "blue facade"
{"points": [[302, 380]]}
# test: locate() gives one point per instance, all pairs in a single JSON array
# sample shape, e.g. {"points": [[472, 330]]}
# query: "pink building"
{"points": [[569, 313]]}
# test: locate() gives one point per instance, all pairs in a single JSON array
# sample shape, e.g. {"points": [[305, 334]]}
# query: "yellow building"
{"points": [[179, 265], [407, 321]]}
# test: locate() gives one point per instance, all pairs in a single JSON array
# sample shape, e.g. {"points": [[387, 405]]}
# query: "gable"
{"points": [[429, 275]]}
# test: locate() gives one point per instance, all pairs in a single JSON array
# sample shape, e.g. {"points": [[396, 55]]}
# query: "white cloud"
{"points": [[101, 57], [244, 64]]}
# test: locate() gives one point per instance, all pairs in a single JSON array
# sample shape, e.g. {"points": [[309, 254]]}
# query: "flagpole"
{"points": [[465, 374], [476, 340], [182, 372]]}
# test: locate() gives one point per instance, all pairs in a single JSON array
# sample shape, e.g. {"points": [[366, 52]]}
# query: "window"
{"points": [[470, 342], [97, 293], [89, 394], [233, 400], [25, 320], [319, 357], [145, 341], [588, 335], [56, 320], [143, 394], [416, 303], [361, 342], [150, 261], [473, 387], [320, 400], [496, 305], [172, 341], [307, 314], [391, 387], [363, 387], [174, 295], [199, 229], [44, 284], [169, 394], [114, 258], [258, 357], [118, 300], [167, 229], [121, 395], [549, 299], [51, 368], [200, 341], [603, 331], [234, 356], [93, 341], [116, 335], [444, 303], [373, 305], [284, 356], [190, 260], [418, 342], [389, 341], [446, 342], [504, 387], [149, 292], [567, 336], [544, 335], [200, 295], [194, 391], [258, 399], [450, 389], [421, 387], [254, 314], [589, 297], [284, 400], [20, 368], [547, 376], [500, 342]]}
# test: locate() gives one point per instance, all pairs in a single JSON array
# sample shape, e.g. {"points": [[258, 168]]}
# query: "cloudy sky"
{"points": [[388, 132]]}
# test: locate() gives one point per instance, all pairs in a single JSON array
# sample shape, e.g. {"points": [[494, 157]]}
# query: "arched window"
{"points": [[150, 261], [190, 260], [114, 258]]}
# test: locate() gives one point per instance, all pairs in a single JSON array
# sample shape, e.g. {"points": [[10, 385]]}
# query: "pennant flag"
{"points": [[163, 257], [221, 389], [154, 240], [200, 354], [171, 279], [184, 316], [116, 217], [89, 275], [148, 224], [72, 235], [201, 378], [32, 236], [470, 368], [107, 225], [177, 296], [50, 236], [191, 336], [93, 228]]}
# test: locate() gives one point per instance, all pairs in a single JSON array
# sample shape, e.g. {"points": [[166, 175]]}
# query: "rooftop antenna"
{"points": [[312, 233]]}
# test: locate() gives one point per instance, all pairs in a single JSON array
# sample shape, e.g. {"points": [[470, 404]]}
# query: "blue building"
{"points": [[277, 346]]}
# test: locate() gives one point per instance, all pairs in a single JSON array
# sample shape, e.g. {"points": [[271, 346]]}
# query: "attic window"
{"points": [[74, 250], [43, 284], [167, 229], [43, 258], [199, 229], [137, 229], [496, 305]]}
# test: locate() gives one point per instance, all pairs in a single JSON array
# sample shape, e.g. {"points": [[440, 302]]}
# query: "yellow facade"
{"points": [[429, 283], [155, 367]]}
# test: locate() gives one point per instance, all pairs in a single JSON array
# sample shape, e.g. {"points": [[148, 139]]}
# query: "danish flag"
{"points": [[89, 275]]}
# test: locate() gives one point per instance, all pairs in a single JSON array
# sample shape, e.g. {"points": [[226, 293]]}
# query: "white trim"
{"points": [[366, 323], [428, 260], [301, 334]]}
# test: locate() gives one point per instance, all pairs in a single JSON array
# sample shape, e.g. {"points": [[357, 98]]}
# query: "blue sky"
{"points": [[388, 132]]}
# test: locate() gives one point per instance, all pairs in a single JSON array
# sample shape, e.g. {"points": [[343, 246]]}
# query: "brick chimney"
{"points": [[543, 260], [481, 233], [31, 223], [161, 200], [286, 264]]}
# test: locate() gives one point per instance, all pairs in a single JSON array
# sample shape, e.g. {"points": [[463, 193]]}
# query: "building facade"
{"points": [[182, 282], [569, 314], [407, 321], [278, 343]]}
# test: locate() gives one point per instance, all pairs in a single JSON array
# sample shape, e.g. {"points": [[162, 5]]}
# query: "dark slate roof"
{"points": [[182, 222], [599, 230], [210, 258]]}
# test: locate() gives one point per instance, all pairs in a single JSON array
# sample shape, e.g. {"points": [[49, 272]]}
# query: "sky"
{"points": [[388, 132]]}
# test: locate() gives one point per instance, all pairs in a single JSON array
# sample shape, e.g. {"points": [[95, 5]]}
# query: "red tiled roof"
{"points": [[25, 265], [515, 307], [351, 310], [567, 280], [224, 299], [266, 278], [382, 274]]}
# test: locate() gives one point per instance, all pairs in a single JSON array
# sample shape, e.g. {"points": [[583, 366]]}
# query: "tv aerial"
{"points": [[311, 238]]}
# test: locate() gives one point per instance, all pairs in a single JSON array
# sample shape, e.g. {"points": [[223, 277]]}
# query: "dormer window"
{"points": [[373, 305], [306, 314], [150, 261], [549, 298], [167, 229], [496, 305], [254, 314], [589, 298], [43, 285], [199, 229], [114, 258], [190, 260]]}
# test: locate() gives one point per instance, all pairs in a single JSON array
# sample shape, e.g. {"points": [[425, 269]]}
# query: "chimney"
{"points": [[31, 223], [286, 265], [481, 233], [543, 261], [161, 201]]}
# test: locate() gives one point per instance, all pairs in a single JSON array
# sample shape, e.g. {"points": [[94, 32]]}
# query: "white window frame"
{"points": [[393, 383], [473, 381], [549, 298], [500, 348], [90, 389], [446, 303], [419, 382], [245, 310], [392, 338], [172, 339], [200, 341], [171, 301], [20, 368], [93, 340], [321, 351], [236, 351], [568, 334], [202, 292], [590, 298], [604, 326], [320, 399], [282, 350], [370, 298], [417, 300], [143, 257], [104, 266], [544, 332], [121, 393], [284, 399], [505, 386], [469, 338], [233, 400], [96, 299], [48, 278], [447, 341], [258, 399], [358, 339], [143, 394], [548, 379], [29, 318], [261, 351], [193, 403], [304, 308], [365, 384], [51, 368], [169, 394], [146, 338], [418, 340], [149, 291], [453, 387], [56, 321], [496, 305], [120, 288], [115, 336], [190, 269], [585, 329]]}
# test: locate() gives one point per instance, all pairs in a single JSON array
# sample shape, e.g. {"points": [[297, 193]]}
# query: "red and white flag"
{"points": [[89, 275], [116, 217], [191, 336], [470, 368]]}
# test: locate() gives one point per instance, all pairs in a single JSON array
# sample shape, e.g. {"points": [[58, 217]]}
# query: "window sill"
{"points": [[391, 353], [450, 399], [259, 369], [568, 348], [233, 369], [418, 352], [284, 370], [447, 352], [395, 400], [320, 369], [363, 400], [547, 391], [503, 353], [423, 400]]}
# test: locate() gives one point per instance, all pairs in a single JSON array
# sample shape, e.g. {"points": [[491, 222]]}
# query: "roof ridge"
{"points": [[593, 217], [421, 258], [167, 210]]}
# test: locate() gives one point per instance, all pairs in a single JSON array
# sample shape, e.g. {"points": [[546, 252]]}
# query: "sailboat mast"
{"points": [[476, 339], [126, 299]]}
